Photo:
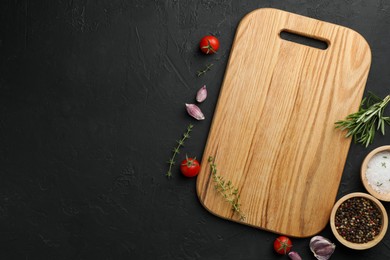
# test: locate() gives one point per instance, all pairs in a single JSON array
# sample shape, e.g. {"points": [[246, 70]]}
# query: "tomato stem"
{"points": [[189, 161], [284, 246], [209, 48]]}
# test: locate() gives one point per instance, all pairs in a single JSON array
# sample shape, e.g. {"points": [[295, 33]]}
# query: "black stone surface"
{"points": [[92, 100]]}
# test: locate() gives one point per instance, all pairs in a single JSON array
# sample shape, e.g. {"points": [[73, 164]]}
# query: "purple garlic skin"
{"points": [[194, 111], [294, 256], [201, 95], [321, 247]]}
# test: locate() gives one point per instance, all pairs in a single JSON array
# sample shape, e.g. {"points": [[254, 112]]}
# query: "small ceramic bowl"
{"points": [[383, 220], [377, 185]]}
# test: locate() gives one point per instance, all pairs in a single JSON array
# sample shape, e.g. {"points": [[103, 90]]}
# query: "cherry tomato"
{"points": [[209, 44], [190, 167], [282, 245]]}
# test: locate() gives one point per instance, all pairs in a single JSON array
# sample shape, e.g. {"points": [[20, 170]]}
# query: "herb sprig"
{"points": [[226, 189], [363, 124], [176, 150], [204, 71]]}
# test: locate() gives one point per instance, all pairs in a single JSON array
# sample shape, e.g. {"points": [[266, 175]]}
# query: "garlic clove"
{"points": [[194, 111], [294, 256], [321, 247], [201, 95]]}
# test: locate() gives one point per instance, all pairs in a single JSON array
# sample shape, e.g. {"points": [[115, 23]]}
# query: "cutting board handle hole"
{"points": [[304, 40]]}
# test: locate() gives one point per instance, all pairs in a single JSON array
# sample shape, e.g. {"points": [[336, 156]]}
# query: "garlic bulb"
{"points": [[321, 247]]}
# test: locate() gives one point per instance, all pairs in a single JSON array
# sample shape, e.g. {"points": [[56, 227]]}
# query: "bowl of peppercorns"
{"points": [[358, 221]]}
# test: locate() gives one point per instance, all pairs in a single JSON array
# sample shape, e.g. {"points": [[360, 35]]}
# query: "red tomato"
{"points": [[209, 44], [282, 245], [190, 167]]}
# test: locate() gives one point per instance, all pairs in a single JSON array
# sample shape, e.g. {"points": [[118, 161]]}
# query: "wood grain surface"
{"points": [[272, 133]]}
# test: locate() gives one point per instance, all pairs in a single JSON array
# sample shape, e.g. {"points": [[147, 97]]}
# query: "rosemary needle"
{"points": [[362, 125]]}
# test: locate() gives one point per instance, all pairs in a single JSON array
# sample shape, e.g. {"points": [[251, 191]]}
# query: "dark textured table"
{"points": [[92, 100]]}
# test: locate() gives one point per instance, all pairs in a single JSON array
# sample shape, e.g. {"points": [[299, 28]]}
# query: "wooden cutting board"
{"points": [[273, 134]]}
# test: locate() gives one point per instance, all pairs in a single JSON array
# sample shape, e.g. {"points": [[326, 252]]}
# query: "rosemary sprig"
{"points": [[203, 71], [176, 150], [226, 189], [363, 124]]}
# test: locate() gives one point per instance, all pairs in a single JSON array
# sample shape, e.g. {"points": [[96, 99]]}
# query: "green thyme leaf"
{"points": [[176, 150], [226, 189]]}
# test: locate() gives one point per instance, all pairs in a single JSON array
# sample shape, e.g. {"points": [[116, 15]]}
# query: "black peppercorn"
{"points": [[358, 220]]}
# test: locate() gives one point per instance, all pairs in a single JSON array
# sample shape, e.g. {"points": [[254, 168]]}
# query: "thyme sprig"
{"points": [[363, 124], [226, 189], [176, 150], [204, 71]]}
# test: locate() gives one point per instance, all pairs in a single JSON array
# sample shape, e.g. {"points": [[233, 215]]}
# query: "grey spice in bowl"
{"points": [[375, 173]]}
